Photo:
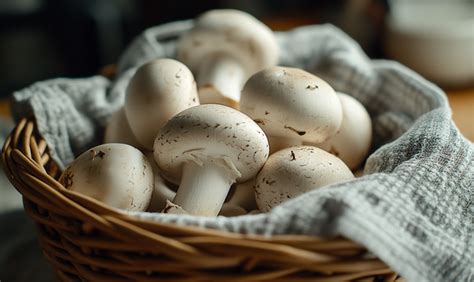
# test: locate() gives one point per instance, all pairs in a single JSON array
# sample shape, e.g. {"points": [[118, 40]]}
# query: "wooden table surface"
{"points": [[462, 105], [461, 101]]}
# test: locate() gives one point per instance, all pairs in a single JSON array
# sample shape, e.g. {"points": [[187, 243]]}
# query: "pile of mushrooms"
{"points": [[244, 137]]}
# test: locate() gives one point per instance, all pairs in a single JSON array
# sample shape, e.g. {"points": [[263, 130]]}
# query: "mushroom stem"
{"points": [[244, 195], [203, 188], [221, 74], [209, 95], [161, 194], [278, 143]]}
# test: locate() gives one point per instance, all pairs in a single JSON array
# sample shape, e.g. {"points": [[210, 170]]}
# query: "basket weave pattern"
{"points": [[86, 240]]}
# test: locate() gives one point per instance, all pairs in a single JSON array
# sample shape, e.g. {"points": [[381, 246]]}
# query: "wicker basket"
{"points": [[85, 240]]}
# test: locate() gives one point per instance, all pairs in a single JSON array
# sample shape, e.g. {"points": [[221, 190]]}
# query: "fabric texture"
{"points": [[414, 206]]}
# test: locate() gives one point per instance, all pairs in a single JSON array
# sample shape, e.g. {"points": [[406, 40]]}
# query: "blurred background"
{"points": [[42, 39]]}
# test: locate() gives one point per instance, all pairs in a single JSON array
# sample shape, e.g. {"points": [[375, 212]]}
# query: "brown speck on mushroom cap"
{"points": [[101, 154], [299, 132], [67, 178], [178, 75], [293, 156]]}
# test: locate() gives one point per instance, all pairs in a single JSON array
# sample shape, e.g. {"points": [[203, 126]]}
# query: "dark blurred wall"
{"points": [[41, 39]]}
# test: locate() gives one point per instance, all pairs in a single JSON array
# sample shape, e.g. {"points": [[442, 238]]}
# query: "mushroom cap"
{"points": [[352, 141], [158, 90], [118, 130], [116, 174], [292, 103], [293, 171], [213, 133], [229, 32]]}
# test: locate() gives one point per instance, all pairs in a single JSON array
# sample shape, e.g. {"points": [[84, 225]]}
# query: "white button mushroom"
{"points": [[352, 141], [118, 130], [208, 148], [224, 48], [158, 90], [243, 195], [294, 171], [118, 175], [161, 192], [291, 106]]}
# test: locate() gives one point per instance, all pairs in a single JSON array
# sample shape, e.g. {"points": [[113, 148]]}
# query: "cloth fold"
{"points": [[413, 208]]}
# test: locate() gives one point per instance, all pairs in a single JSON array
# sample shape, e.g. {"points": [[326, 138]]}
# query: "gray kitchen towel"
{"points": [[414, 206]]}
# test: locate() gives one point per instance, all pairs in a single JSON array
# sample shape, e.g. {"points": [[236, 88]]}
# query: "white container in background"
{"points": [[434, 38]]}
